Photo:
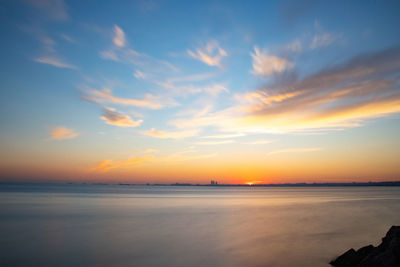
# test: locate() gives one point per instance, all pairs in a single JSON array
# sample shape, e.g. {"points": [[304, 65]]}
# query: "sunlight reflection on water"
{"points": [[99, 225]]}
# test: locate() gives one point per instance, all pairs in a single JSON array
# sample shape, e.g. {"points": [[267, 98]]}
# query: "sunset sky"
{"points": [[189, 91]]}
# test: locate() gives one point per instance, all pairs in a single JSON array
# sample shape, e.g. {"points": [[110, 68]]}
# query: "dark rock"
{"points": [[387, 254], [349, 258]]}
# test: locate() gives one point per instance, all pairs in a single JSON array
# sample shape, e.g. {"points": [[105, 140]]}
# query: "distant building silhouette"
{"points": [[213, 182]]}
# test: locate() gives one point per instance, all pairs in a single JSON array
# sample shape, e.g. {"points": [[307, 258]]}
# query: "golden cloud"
{"points": [[62, 133], [365, 87], [107, 165]]}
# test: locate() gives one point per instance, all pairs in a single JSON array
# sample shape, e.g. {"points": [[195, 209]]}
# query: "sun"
{"points": [[250, 183]]}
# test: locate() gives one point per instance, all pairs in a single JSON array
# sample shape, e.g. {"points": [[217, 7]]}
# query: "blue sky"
{"points": [[166, 89]]}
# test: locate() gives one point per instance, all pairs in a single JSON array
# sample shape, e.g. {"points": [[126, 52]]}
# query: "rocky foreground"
{"points": [[387, 254]]}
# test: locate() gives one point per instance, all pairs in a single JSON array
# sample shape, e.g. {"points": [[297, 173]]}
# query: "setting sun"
{"points": [[254, 182]]}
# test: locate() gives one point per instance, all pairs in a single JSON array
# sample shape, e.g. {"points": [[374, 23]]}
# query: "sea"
{"points": [[134, 225]]}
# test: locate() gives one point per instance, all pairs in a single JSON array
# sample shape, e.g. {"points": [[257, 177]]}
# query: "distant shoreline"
{"points": [[363, 184]]}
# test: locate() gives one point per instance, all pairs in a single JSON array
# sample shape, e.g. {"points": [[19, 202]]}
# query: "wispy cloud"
{"points": [[321, 40], [107, 165], [342, 96], [265, 64], [219, 119], [211, 143], [49, 53], [130, 56], [68, 38], [345, 95], [109, 54], [295, 46], [265, 97], [187, 155], [215, 89], [170, 134], [191, 78], [54, 61], [295, 150], [223, 136], [183, 90], [47, 41], [121, 52], [139, 75], [62, 133], [105, 96], [112, 117], [195, 112], [211, 54], [119, 36], [261, 142]]}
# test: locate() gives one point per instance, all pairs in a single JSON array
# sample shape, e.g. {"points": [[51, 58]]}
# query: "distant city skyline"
{"points": [[250, 92]]}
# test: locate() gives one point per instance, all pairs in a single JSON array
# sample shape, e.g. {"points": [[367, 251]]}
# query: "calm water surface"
{"points": [[111, 225]]}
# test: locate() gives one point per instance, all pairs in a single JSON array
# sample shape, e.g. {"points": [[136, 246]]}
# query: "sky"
{"points": [[189, 91]]}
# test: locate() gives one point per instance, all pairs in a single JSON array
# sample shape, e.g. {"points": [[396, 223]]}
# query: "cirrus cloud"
{"points": [[211, 54], [265, 64], [346, 95], [119, 36], [211, 143], [105, 96], [54, 61], [321, 40], [261, 142]]}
